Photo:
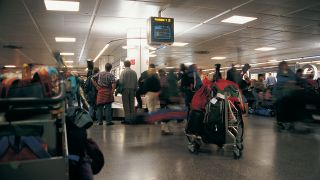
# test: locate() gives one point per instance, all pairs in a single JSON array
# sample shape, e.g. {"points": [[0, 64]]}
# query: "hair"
{"points": [[108, 67], [127, 63], [282, 63], [299, 70], [152, 66], [161, 72], [152, 71], [260, 75], [96, 70]]}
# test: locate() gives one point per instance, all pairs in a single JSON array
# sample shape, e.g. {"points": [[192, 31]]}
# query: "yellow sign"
{"points": [[162, 19]]}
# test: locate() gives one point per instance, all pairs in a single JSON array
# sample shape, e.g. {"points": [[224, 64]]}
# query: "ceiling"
{"points": [[291, 26]]}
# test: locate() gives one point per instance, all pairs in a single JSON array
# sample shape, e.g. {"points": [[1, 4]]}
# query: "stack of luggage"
{"points": [[216, 116]]}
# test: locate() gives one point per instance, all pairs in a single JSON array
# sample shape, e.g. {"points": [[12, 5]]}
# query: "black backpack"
{"points": [[214, 123]]}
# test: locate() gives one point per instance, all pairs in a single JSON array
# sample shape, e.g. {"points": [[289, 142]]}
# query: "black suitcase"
{"points": [[195, 123]]}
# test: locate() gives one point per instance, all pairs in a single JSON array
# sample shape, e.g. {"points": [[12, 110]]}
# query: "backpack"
{"points": [[79, 117], [201, 97], [214, 123]]}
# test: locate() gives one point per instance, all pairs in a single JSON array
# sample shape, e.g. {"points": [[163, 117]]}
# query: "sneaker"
{"points": [[110, 123]]}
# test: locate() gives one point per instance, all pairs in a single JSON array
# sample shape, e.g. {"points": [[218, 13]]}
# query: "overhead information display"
{"points": [[161, 31]]}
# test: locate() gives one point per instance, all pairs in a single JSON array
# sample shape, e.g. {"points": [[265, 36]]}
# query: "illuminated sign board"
{"points": [[161, 30]]}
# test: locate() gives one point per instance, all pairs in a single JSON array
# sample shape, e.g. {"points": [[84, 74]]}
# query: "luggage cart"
{"points": [[233, 121], [54, 134]]}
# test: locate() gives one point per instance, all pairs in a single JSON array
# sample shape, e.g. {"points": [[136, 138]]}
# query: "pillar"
{"points": [[138, 49]]}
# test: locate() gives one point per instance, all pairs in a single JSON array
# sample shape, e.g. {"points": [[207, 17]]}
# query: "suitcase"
{"points": [[195, 123]]}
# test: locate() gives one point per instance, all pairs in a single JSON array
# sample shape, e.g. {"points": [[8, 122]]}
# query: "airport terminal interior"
{"points": [[159, 89]]}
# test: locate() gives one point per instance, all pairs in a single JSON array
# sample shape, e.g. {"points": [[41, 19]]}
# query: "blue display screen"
{"points": [[162, 30]]}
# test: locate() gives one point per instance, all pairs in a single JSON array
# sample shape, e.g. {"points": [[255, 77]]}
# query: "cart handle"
{"points": [[34, 100]]}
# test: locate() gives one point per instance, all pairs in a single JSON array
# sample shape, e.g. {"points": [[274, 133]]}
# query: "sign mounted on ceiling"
{"points": [[160, 30]]}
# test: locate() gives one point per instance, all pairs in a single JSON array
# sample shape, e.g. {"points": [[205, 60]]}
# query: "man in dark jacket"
{"points": [[140, 90]]}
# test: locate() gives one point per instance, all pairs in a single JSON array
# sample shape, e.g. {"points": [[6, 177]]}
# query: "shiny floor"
{"points": [[141, 153]]}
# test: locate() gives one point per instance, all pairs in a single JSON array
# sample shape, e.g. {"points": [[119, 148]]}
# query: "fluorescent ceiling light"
{"points": [[265, 49], [66, 54], [170, 67], [70, 66], [179, 44], [208, 70], [68, 61], [61, 5], [10, 66], [273, 60], [65, 39], [270, 67], [188, 63], [152, 48], [152, 52], [239, 19], [218, 58], [152, 55], [101, 52], [128, 47]]}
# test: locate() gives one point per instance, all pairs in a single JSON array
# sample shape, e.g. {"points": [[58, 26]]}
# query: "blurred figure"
{"points": [[128, 82], [299, 73], [71, 88], [91, 93], [271, 81], [152, 87], [140, 90], [105, 84], [79, 84]]}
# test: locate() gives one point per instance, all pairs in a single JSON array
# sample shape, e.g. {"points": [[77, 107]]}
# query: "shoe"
{"points": [[110, 123], [166, 133]]}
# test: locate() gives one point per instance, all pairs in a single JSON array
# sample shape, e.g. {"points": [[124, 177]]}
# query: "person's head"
{"points": [[108, 67], [283, 66], [246, 67], [162, 72], [127, 64], [152, 66], [260, 77], [299, 72], [270, 74], [96, 70], [183, 67]]}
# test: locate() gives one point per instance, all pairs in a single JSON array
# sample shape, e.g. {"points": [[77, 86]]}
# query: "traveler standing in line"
{"points": [[152, 87], [271, 81], [128, 82], [91, 93], [105, 84], [140, 90]]}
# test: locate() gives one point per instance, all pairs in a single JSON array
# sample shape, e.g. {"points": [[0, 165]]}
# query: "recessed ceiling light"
{"points": [[218, 58], [61, 5], [10, 66], [65, 39], [68, 61], [239, 19], [188, 63], [66, 54], [179, 44], [152, 55], [265, 49]]}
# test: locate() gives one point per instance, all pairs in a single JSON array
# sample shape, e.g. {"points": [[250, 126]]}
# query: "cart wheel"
{"points": [[236, 153], [194, 148]]}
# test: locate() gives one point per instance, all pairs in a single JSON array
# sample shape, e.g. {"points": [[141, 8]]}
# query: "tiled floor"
{"points": [[141, 153]]}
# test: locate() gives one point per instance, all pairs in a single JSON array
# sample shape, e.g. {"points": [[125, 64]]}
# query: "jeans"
{"points": [[92, 111], [108, 112]]}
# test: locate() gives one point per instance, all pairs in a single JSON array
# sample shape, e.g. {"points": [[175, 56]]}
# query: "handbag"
{"points": [[105, 96]]}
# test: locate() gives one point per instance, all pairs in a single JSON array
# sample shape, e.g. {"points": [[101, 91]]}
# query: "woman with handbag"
{"points": [[105, 83]]}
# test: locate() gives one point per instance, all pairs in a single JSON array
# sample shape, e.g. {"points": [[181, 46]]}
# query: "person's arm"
{"points": [[94, 81], [121, 78]]}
